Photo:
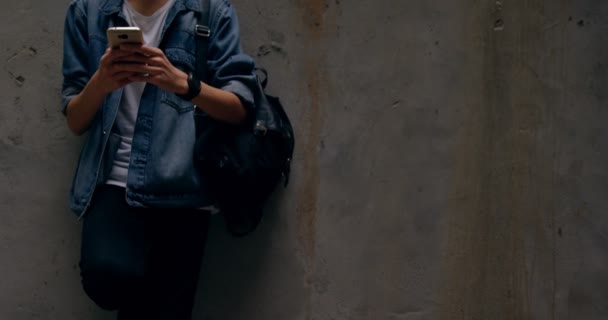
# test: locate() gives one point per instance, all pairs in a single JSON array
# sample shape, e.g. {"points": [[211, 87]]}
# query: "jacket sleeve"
{"points": [[230, 69], [75, 45]]}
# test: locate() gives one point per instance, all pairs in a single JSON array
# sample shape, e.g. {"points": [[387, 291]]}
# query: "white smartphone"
{"points": [[120, 35]]}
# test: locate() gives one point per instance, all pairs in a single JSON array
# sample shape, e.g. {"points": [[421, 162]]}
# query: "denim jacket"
{"points": [[161, 169]]}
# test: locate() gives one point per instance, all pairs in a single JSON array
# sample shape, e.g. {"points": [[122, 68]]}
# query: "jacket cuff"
{"points": [[242, 91], [65, 100]]}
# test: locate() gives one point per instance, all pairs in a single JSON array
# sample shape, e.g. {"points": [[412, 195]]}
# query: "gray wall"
{"points": [[451, 164]]}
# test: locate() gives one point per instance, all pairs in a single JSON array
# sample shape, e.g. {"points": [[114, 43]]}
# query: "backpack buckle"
{"points": [[260, 128], [202, 31]]}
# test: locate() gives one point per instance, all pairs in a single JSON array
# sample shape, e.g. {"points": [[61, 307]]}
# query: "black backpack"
{"points": [[243, 164]]}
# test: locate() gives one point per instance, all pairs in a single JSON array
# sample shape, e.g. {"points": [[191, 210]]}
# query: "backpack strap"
{"points": [[203, 33]]}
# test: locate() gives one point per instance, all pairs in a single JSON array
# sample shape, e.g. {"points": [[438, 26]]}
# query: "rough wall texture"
{"points": [[451, 165]]}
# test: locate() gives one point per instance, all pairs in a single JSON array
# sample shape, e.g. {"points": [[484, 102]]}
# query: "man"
{"points": [[145, 209]]}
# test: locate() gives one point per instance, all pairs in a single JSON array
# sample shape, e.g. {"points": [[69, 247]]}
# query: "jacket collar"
{"points": [[114, 6]]}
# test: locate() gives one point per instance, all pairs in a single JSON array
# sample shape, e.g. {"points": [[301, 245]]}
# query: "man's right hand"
{"points": [[109, 76]]}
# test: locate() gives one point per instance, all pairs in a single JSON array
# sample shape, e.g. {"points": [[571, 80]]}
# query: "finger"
{"points": [[155, 80], [131, 47], [118, 54], [156, 61], [111, 58], [119, 76], [138, 68], [133, 58], [128, 67], [145, 50], [105, 57], [117, 68]]}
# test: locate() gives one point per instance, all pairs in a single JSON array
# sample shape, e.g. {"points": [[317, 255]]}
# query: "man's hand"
{"points": [[82, 108], [110, 76], [217, 103], [152, 66]]}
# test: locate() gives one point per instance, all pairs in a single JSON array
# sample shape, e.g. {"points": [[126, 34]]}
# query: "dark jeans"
{"points": [[142, 262]]}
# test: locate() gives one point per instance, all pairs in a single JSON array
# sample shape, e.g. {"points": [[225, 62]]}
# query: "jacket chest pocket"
{"points": [[181, 58], [180, 48], [180, 105]]}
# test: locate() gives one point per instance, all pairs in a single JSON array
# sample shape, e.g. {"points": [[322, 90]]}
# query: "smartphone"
{"points": [[120, 35]]}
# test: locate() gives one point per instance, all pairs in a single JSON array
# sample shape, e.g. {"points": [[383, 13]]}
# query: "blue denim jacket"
{"points": [[161, 170]]}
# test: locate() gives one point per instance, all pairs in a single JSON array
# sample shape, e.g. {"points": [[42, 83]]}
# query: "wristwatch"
{"points": [[194, 88]]}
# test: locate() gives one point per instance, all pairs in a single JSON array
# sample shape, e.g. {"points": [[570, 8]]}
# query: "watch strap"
{"points": [[194, 88]]}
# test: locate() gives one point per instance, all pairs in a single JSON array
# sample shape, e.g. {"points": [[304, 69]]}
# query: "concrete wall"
{"points": [[451, 164]]}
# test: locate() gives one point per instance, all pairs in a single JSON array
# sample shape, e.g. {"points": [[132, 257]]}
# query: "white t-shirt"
{"points": [[151, 27]]}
